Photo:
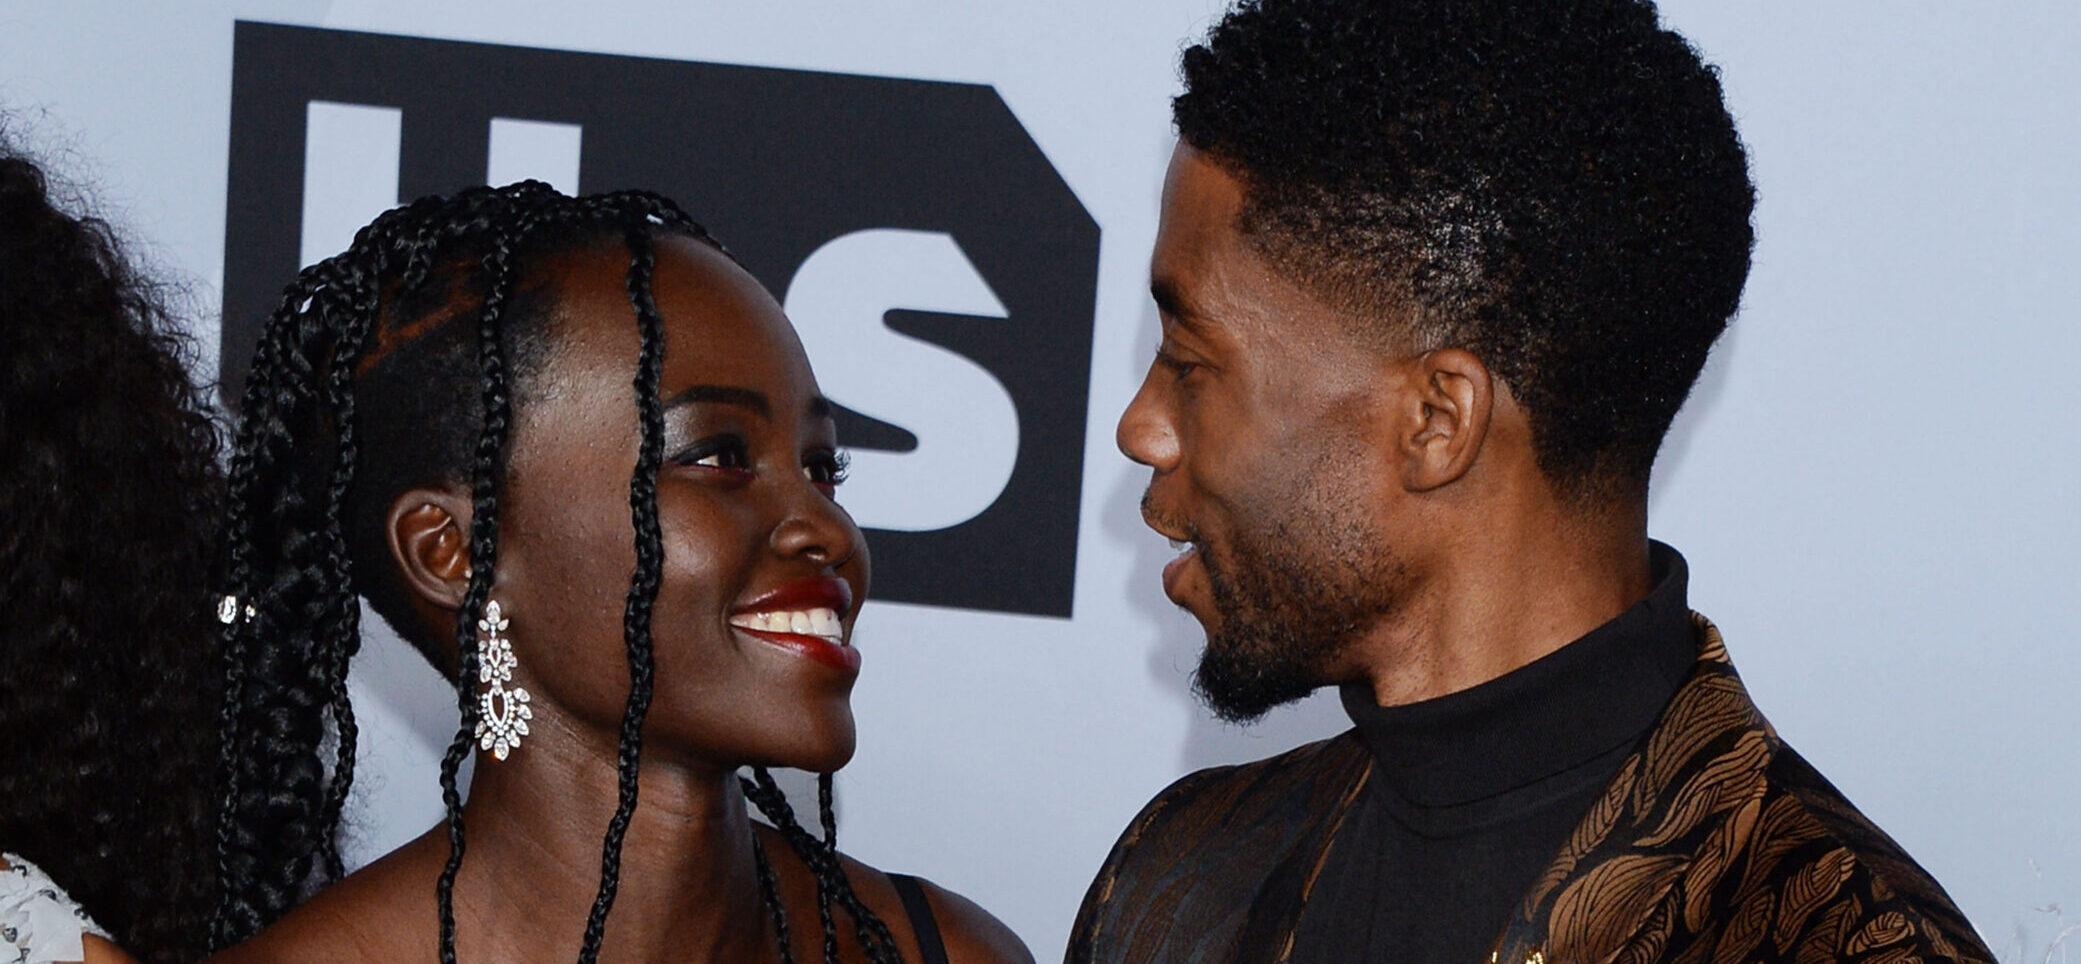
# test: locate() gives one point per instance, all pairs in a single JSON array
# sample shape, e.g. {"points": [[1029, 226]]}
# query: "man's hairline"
{"points": [[1371, 327]]}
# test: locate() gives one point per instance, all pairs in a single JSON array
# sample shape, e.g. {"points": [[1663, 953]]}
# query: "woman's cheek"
{"points": [[710, 557]]}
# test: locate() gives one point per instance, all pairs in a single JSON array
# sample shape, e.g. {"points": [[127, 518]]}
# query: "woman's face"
{"points": [[762, 573]]}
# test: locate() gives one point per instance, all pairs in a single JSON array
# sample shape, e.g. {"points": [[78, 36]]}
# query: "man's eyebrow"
{"points": [[1172, 303], [820, 407], [722, 395]]}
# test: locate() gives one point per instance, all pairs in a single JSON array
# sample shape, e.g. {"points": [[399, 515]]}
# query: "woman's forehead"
{"points": [[720, 325]]}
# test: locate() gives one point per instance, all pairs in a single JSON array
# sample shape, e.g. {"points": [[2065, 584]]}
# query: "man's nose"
{"points": [[1145, 433]]}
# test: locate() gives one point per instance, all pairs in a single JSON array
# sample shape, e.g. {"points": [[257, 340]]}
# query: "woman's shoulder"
{"points": [[970, 934], [372, 914], [327, 928], [40, 923], [967, 931]]}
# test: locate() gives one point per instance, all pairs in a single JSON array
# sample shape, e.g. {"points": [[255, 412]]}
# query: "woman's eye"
{"points": [[727, 453], [828, 469]]}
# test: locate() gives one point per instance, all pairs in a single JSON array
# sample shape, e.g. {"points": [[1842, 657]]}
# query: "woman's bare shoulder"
{"points": [[378, 913], [971, 934]]}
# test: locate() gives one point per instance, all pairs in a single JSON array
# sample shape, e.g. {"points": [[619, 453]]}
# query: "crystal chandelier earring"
{"points": [[502, 713]]}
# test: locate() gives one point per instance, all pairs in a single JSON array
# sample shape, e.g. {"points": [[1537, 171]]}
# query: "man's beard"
{"points": [[1291, 596]]}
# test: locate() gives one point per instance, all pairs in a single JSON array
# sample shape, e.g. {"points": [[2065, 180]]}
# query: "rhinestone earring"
{"points": [[502, 713], [228, 610]]}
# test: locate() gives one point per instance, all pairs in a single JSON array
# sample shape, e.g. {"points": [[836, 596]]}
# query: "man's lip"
{"points": [[1173, 533], [827, 593], [1175, 572]]}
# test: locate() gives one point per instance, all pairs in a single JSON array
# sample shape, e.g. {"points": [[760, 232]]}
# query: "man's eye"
{"points": [[1178, 367], [726, 452]]}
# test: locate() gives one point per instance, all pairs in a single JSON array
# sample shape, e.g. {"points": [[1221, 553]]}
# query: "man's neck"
{"points": [[1505, 595]]}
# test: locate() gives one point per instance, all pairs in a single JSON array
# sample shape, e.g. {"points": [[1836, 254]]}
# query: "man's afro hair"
{"points": [[1554, 185]]}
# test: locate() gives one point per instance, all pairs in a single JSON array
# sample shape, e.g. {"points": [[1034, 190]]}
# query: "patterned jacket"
{"points": [[1715, 843]]}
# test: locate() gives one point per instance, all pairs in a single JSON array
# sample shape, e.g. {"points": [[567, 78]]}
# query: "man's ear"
{"points": [[429, 537], [1450, 400]]}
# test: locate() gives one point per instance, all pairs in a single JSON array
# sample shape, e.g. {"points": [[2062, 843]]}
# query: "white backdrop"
{"points": [[1874, 483]]}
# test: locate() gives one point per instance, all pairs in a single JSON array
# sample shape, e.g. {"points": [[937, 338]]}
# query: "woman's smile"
{"points": [[806, 618]]}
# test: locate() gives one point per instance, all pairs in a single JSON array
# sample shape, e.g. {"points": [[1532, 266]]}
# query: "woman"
{"points": [[460, 418], [111, 693]]}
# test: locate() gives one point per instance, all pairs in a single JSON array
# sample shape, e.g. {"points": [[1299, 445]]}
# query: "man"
{"points": [[1435, 277]]}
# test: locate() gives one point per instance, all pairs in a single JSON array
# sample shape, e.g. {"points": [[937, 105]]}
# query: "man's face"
{"points": [[1259, 420]]}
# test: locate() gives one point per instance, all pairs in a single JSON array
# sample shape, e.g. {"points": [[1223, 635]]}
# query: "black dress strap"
{"points": [[922, 923]]}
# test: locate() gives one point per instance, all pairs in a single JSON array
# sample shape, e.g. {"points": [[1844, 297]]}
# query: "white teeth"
{"points": [[807, 622], [1179, 546]]}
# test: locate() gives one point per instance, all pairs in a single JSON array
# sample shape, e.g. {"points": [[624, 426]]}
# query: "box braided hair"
{"points": [[364, 344]]}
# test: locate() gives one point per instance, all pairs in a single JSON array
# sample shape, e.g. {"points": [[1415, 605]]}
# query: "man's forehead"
{"points": [[1212, 280], [1198, 243], [1201, 203]]}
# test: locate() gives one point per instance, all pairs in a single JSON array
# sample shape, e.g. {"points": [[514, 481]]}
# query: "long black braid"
{"points": [[356, 298], [643, 589], [769, 893], [874, 935], [828, 815], [272, 722], [485, 473], [361, 354]]}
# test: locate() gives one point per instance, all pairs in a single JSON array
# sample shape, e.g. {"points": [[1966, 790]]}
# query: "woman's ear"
{"points": [[429, 538]]}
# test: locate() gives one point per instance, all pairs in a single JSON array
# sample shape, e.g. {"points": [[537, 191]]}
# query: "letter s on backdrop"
{"points": [[964, 420]]}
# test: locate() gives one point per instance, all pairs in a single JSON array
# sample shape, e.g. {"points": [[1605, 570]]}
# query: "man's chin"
{"points": [[1243, 711], [1240, 693]]}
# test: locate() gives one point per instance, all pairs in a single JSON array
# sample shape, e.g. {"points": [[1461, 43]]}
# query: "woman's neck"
{"points": [[535, 825]]}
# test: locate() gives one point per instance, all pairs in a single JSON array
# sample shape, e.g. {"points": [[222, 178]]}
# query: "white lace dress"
{"points": [[38, 923]]}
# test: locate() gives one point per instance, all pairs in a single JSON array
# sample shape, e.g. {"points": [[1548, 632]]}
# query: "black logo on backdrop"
{"points": [[778, 163]]}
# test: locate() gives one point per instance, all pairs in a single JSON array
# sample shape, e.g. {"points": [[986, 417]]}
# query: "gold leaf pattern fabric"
{"points": [[1716, 842], [1721, 850], [1594, 827], [1825, 942], [1712, 789], [1647, 945], [1810, 888], [1888, 928], [1601, 908], [1743, 932]]}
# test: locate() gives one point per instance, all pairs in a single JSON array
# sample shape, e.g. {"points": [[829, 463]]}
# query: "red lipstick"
{"points": [[805, 618], [827, 593]]}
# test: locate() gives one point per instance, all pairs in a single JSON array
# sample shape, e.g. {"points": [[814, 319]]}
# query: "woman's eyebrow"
{"points": [[722, 395], [819, 406]]}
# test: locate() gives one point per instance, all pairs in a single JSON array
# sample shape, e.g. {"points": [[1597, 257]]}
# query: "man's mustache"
{"points": [[1161, 521]]}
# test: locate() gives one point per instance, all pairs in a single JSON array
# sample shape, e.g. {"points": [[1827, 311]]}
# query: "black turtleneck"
{"points": [[1473, 793]]}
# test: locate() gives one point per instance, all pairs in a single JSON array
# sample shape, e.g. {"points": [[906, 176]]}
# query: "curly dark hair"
{"points": [[109, 499], [1554, 186], [397, 364]]}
